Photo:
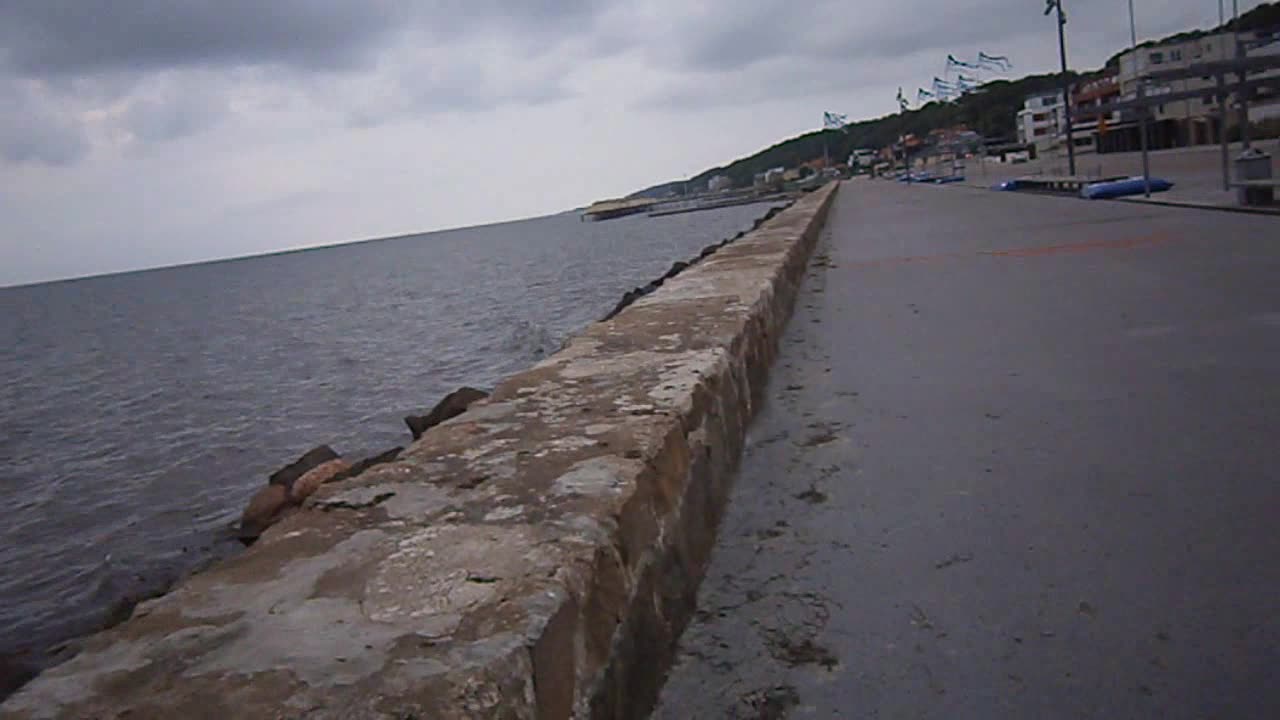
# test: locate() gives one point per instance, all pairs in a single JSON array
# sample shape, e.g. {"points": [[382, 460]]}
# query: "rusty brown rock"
{"points": [[304, 486], [263, 509], [290, 473]]}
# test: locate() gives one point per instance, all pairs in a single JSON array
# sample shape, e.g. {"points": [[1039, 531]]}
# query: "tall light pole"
{"points": [[1222, 102], [1050, 6], [1142, 109], [1243, 95]]}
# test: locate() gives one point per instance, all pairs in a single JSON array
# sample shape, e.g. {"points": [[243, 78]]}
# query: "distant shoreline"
{"points": [[271, 253]]}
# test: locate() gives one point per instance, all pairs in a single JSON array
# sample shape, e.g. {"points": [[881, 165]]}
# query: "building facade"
{"points": [[1194, 121], [1041, 120], [1103, 132], [1181, 122]]}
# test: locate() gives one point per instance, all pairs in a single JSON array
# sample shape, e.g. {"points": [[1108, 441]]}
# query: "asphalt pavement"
{"points": [[1019, 459]]}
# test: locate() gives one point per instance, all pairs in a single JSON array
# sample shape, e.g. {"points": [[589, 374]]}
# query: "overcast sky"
{"points": [[137, 133]]}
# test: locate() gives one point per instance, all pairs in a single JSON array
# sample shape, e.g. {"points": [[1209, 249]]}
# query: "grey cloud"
{"points": [[173, 112], [460, 97], [765, 82], [35, 141], [467, 77], [33, 131], [734, 37], [562, 16], [462, 92], [96, 53], [78, 37], [480, 87], [751, 33], [731, 36]]}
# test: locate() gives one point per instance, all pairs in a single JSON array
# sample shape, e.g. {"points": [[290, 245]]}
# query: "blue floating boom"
{"points": [[1122, 188]]}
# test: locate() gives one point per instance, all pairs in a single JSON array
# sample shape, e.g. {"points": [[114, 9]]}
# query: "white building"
{"points": [[862, 158], [1041, 119], [1194, 121], [1266, 108], [719, 183]]}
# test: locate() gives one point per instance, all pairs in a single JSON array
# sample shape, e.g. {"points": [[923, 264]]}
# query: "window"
{"points": [[1206, 100], [1175, 55], [1042, 131], [1156, 58]]}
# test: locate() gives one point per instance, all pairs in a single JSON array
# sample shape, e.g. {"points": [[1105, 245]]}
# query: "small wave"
{"points": [[524, 339]]}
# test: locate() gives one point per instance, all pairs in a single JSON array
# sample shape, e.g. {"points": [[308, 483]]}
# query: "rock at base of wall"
{"points": [[289, 474], [365, 464], [314, 478], [262, 510], [453, 405], [677, 267]]}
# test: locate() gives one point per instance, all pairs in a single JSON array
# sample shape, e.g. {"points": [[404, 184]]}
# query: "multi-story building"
{"points": [[1104, 132], [1196, 120], [1041, 119], [1181, 122], [1266, 107]]}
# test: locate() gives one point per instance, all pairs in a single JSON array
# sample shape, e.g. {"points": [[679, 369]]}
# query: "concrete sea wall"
{"points": [[535, 557]]}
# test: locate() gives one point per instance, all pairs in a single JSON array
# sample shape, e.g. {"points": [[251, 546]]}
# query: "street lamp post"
{"points": [[1142, 127], [1243, 95], [1222, 103], [1050, 6]]}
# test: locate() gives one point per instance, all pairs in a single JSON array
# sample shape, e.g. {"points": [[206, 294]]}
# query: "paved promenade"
{"points": [[1021, 458]]}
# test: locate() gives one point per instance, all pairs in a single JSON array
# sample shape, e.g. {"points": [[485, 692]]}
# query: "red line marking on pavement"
{"points": [[909, 259]]}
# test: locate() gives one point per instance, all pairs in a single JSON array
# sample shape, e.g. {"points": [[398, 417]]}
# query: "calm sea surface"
{"points": [[140, 411]]}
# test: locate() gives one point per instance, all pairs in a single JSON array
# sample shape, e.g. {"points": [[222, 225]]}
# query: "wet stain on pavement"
{"points": [[812, 495], [955, 559], [802, 652], [823, 434]]}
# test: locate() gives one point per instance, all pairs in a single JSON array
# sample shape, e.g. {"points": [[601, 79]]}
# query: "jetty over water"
{"points": [[610, 209]]}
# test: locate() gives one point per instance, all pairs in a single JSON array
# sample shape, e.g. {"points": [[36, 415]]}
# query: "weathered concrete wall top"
{"points": [[535, 557]]}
